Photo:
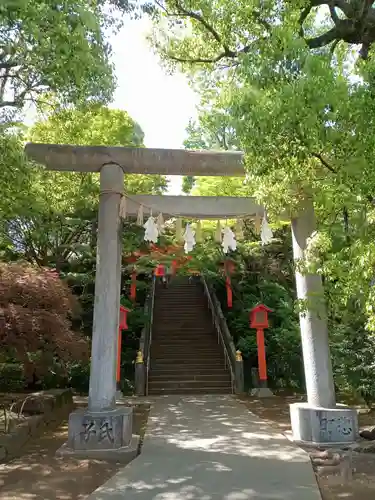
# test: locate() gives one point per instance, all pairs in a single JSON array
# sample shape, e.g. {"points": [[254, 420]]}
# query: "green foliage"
{"points": [[50, 217], [96, 125], [264, 274], [304, 119], [46, 46], [12, 377]]}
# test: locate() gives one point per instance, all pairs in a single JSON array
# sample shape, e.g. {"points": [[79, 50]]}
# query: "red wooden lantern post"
{"points": [[133, 286], [259, 321], [123, 325], [228, 271]]}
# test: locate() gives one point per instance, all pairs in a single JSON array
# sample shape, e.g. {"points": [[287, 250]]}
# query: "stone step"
{"points": [[187, 369], [210, 346], [190, 390], [199, 342], [188, 324], [171, 363], [176, 362], [185, 307], [196, 318], [187, 384], [174, 295], [187, 340], [187, 336], [184, 353], [206, 351], [180, 287], [187, 333], [190, 367], [183, 377], [203, 338], [189, 309], [182, 332], [193, 342], [186, 311], [188, 290], [208, 362], [193, 322]]}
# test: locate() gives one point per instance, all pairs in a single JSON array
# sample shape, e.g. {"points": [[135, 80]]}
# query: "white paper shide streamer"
{"points": [[229, 240], [151, 230], [266, 233], [189, 238]]}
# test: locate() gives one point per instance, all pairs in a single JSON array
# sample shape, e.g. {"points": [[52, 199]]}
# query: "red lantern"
{"points": [[259, 317], [159, 271], [259, 321]]}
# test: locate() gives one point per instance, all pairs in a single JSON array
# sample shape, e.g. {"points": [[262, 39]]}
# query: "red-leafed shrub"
{"points": [[35, 311]]}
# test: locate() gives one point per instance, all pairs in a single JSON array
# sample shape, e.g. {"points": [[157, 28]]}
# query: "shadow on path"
{"points": [[203, 448]]}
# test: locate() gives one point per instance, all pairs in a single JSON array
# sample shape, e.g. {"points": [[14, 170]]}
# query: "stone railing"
{"points": [[142, 362], [233, 358]]}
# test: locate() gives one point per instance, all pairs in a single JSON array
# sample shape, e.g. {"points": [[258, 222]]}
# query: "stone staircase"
{"points": [[185, 355]]}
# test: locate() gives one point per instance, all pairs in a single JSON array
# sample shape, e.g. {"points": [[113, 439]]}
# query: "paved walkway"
{"points": [[212, 448]]}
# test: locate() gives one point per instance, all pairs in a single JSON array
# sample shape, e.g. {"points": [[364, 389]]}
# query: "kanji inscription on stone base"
{"points": [[90, 430]]}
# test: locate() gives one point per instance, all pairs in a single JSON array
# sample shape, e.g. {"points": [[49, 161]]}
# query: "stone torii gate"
{"points": [[105, 427]]}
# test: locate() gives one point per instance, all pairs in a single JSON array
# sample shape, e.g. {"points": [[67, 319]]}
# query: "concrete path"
{"points": [[211, 448]]}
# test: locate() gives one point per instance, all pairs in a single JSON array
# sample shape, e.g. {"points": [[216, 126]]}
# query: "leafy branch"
{"points": [[226, 53]]}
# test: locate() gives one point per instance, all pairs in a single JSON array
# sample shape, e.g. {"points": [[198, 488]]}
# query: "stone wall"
{"points": [[44, 408]]}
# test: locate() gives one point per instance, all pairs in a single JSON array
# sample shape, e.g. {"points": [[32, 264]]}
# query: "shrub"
{"points": [[36, 308], [11, 377]]}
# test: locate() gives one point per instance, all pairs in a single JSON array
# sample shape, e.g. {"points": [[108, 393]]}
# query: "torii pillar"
{"points": [[320, 420]]}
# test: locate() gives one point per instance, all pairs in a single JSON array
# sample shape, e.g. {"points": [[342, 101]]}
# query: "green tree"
{"points": [[50, 217], [96, 125], [212, 132], [305, 121], [50, 46]]}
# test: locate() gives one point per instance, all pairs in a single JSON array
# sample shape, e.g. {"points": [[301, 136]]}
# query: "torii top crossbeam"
{"points": [[156, 161], [65, 157]]}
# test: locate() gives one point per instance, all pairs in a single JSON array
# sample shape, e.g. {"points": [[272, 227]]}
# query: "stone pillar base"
{"points": [[105, 434], [323, 426], [262, 392], [119, 395]]}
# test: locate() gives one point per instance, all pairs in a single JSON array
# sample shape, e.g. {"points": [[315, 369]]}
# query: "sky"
{"points": [[162, 104]]}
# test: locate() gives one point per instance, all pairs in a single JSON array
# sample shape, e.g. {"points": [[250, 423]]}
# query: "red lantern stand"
{"points": [[259, 321], [123, 325], [228, 271]]}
